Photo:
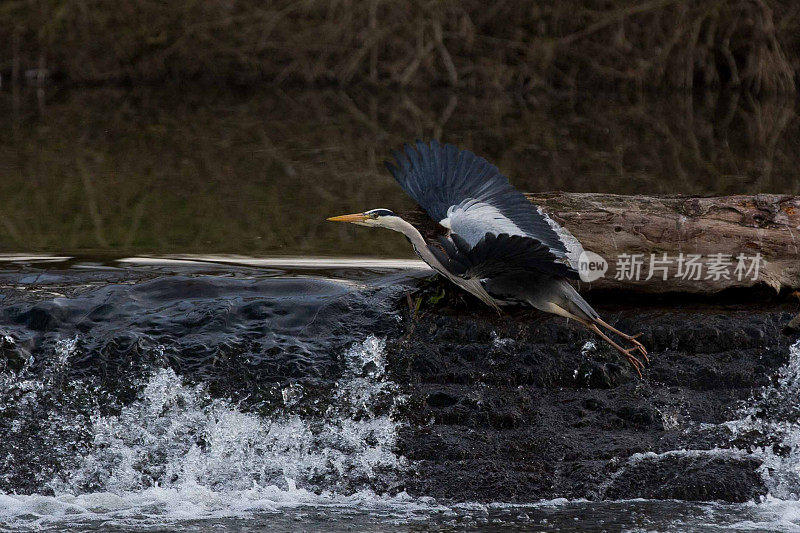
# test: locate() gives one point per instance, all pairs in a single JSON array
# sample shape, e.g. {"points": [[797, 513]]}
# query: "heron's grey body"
{"points": [[470, 198], [488, 238], [542, 291]]}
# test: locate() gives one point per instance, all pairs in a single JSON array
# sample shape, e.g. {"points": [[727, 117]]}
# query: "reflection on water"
{"points": [[168, 171], [344, 269]]}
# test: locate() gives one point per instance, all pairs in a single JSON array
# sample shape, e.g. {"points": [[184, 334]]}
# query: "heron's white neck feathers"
{"points": [[398, 224]]}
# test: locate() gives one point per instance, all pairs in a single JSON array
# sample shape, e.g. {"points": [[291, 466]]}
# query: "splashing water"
{"points": [[175, 454], [175, 435], [176, 446], [773, 420], [47, 405]]}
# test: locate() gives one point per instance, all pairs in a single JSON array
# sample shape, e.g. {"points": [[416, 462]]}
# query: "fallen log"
{"points": [[683, 244]]}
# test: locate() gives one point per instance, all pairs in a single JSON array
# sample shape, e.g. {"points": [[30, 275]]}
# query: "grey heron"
{"points": [[482, 234]]}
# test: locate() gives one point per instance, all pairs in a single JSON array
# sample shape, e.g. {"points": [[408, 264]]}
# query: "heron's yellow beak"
{"points": [[355, 217]]}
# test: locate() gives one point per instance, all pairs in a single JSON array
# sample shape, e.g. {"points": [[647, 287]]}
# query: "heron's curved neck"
{"points": [[418, 242], [398, 224]]}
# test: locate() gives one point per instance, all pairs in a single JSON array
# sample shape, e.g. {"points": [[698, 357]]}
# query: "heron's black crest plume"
{"points": [[380, 213]]}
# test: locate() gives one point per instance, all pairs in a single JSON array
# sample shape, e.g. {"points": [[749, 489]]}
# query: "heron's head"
{"points": [[382, 218]]}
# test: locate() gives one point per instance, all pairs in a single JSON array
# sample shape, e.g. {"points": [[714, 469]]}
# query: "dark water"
{"points": [[126, 172], [251, 391]]}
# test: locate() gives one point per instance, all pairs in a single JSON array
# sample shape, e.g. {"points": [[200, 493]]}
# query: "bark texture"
{"points": [[611, 225]]}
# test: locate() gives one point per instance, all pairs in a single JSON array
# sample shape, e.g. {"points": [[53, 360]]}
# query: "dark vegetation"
{"points": [[685, 44]]}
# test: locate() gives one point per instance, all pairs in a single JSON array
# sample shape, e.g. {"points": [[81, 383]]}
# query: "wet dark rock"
{"points": [[695, 478], [794, 325], [507, 407], [41, 317]]}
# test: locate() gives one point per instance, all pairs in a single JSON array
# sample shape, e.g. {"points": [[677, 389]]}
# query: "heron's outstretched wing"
{"points": [[498, 255], [469, 195]]}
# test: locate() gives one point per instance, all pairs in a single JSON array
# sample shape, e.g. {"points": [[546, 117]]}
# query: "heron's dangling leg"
{"points": [[632, 359], [630, 338]]}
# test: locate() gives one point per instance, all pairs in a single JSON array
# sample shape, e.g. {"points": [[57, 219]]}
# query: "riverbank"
{"points": [[662, 44]]}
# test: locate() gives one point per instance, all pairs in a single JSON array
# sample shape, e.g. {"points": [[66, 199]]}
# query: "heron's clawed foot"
{"points": [[631, 352], [633, 339], [632, 359], [637, 345]]}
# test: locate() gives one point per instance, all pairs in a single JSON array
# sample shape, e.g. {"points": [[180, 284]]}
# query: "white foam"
{"points": [[176, 453], [159, 506], [775, 414]]}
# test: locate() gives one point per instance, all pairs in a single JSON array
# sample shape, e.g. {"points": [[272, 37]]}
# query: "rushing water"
{"points": [[150, 394]]}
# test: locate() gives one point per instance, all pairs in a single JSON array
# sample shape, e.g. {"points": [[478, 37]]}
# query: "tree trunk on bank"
{"points": [[631, 230]]}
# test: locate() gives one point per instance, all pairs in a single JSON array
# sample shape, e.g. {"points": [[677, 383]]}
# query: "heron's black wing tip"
{"points": [[461, 244], [501, 254]]}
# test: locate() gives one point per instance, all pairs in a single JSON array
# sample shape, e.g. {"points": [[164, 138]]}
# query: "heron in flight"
{"points": [[482, 234]]}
